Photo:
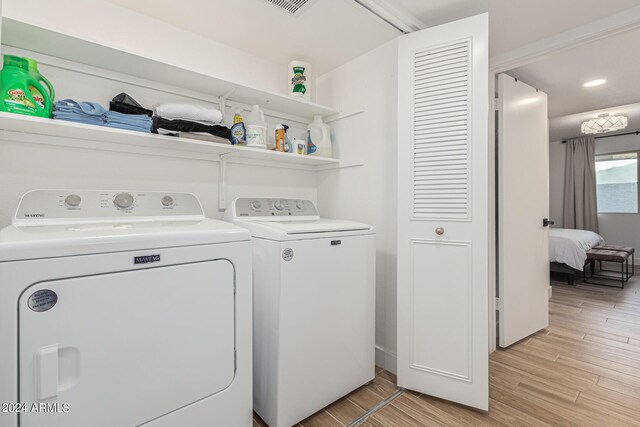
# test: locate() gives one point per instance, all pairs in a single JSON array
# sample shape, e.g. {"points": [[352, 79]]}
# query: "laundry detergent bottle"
{"points": [[256, 129], [35, 73], [319, 138], [18, 87]]}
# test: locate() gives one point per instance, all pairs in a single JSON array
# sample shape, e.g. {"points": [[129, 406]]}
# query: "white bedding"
{"points": [[570, 247]]}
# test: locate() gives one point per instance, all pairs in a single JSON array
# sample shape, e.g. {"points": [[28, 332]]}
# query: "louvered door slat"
{"points": [[440, 132], [438, 57], [436, 105], [446, 64], [445, 87]]}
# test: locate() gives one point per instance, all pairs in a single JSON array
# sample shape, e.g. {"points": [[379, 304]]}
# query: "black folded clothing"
{"points": [[178, 125], [124, 103]]}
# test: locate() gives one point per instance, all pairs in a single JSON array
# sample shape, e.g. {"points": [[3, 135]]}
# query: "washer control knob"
{"points": [[278, 205], [256, 205], [300, 204], [72, 201], [167, 201], [123, 200]]}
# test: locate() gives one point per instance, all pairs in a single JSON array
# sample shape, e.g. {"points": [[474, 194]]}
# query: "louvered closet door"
{"points": [[443, 218]]}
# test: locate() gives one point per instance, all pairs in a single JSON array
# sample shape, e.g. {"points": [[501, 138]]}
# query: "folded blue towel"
{"points": [[146, 129], [99, 121], [133, 118], [135, 122], [94, 114], [89, 113], [83, 108]]}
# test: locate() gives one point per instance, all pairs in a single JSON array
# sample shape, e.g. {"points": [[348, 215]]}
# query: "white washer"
{"points": [[314, 306], [122, 309]]}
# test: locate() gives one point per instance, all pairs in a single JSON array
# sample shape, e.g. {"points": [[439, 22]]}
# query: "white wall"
{"points": [[617, 229], [123, 29], [25, 167], [367, 193]]}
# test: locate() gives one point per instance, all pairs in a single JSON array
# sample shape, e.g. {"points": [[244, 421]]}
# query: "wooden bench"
{"points": [[607, 255]]}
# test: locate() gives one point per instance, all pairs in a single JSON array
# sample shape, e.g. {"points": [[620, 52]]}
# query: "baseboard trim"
{"points": [[386, 359]]}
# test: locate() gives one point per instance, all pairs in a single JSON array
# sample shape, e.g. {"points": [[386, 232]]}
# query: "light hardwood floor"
{"points": [[583, 370]]}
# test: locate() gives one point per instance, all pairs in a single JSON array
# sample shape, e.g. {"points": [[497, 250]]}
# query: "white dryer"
{"points": [[123, 309], [314, 306]]}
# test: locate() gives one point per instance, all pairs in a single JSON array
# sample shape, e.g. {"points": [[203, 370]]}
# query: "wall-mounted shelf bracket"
{"points": [[223, 104], [341, 165], [222, 181]]}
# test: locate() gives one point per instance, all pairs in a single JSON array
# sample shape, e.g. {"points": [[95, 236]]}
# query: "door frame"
{"points": [[619, 23]]}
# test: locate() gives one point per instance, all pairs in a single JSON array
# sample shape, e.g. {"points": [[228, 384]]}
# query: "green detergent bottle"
{"points": [[37, 96], [18, 87]]}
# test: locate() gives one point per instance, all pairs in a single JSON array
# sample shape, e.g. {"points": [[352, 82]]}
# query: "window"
{"points": [[617, 182]]}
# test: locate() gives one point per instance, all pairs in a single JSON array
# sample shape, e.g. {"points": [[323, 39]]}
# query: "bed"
{"points": [[568, 249]]}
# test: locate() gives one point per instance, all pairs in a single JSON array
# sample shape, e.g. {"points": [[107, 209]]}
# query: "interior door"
{"points": [[523, 204], [124, 348], [443, 175]]}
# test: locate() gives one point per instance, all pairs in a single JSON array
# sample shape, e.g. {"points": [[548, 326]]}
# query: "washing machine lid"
{"points": [[288, 219], [296, 230], [50, 241]]}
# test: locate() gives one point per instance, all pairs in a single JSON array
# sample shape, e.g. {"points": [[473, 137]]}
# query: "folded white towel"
{"points": [[198, 113]]}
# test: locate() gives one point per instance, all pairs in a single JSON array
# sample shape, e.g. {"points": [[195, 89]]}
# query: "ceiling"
{"points": [[332, 32], [562, 75], [561, 128], [515, 23], [327, 34]]}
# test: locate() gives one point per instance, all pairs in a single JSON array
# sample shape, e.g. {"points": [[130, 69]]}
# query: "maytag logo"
{"points": [[34, 215], [146, 259]]}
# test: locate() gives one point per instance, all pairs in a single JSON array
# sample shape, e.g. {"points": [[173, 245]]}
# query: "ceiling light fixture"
{"points": [[605, 123], [594, 83]]}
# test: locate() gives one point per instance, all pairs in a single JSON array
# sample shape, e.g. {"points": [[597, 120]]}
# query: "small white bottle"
{"points": [[256, 128], [319, 138]]}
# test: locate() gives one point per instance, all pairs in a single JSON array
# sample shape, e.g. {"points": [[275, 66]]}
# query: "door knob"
{"points": [[546, 222], [439, 231]]}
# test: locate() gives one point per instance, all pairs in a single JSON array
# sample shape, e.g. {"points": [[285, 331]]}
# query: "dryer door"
{"points": [[124, 348]]}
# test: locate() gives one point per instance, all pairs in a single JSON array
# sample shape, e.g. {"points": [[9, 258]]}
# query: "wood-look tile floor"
{"points": [[583, 370]]}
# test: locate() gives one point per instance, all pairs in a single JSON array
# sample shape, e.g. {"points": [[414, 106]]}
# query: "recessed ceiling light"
{"points": [[594, 83]]}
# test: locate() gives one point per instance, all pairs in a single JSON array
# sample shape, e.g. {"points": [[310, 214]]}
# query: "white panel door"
{"points": [[443, 221], [125, 348], [523, 197]]}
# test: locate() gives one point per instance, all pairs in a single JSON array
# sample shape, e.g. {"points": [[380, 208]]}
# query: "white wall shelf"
{"points": [[16, 127], [53, 43]]}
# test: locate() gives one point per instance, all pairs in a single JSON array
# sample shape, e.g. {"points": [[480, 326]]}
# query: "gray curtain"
{"points": [[580, 206]]}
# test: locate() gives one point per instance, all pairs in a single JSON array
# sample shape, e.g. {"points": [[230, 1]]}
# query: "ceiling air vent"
{"points": [[294, 7]]}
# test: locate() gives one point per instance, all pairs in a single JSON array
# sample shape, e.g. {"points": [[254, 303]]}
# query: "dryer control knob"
{"points": [[167, 201], [278, 205], [72, 201], [123, 200], [256, 204], [300, 204]]}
